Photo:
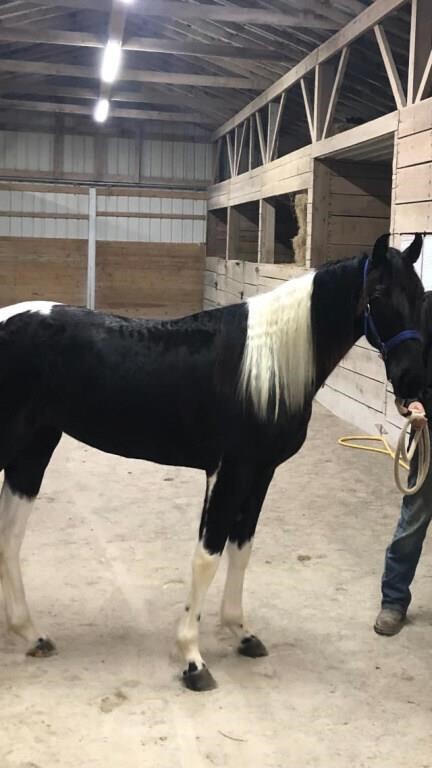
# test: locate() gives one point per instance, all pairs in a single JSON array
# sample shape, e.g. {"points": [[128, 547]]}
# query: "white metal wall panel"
{"points": [[175, 160], [79, 154], [26, 151], [122, 157]]}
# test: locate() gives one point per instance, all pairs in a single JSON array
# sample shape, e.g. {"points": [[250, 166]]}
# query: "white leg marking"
{"points": [[232, 601], [204, 567], [14, 514]]}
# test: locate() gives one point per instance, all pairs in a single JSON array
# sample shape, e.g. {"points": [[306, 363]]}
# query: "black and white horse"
{"points": [[228, 391]]}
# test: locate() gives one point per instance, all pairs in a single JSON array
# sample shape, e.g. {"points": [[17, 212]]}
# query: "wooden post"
{"points": [[318, 220], [251, 158], [324, 81], [233, 233], [91, 250], [266, 232], [420, 45]]}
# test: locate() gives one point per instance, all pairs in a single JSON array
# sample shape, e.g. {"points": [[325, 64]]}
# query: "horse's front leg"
{"points": [[239, 551]]}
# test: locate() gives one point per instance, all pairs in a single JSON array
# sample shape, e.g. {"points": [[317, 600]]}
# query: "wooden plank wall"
{"points": [[412, 181], [149, 279], [227, 282], [358, 207], [42, 268]]}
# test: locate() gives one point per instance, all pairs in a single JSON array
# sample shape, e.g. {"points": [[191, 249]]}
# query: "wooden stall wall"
{"points": [[359, 202], [412, 180], [149, 279], [42, 268]]}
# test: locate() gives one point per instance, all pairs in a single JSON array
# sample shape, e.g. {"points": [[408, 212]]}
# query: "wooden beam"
{"points": [[239, 148], [372, 15], [230, 154], [353, 137], [273, 128], [251, 153], [38, 35], [325, 75], [133, 75], [81, 109], [261, 138], [340, 72], [232, 13], [150, 95], [390, 66], [420, 45], [308, 106], [426, 80]]}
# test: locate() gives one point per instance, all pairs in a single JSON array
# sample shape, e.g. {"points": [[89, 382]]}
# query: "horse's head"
{"points": [[394, 295]]}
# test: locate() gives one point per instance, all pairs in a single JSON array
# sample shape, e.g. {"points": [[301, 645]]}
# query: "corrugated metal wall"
{"points": [[133, 160], [140, 217]]}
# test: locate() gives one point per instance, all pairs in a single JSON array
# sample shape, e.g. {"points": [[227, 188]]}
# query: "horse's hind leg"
{"points": [[23, 478], [239, 549]]}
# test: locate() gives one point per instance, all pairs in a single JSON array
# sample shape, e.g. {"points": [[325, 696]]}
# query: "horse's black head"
{"points": [[395, 295]]}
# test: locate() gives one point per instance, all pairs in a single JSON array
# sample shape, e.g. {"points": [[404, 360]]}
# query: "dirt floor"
{"points": [[106, 563]]}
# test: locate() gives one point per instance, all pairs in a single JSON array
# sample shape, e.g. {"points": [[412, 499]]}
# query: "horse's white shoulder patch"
{"points": [[43, 307]]}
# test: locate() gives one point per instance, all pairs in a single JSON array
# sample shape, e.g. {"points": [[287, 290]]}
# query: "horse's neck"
{"points": [[336, 313]]}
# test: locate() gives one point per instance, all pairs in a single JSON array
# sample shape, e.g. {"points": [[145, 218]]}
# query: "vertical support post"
{"points": [[324, 80], [233, 234], [251, 157], [58, 146], [420, 45], [91, 250], [316, 251], [266, 232]]}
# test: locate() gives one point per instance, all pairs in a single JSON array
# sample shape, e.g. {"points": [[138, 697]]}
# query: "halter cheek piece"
{"points": [[371, 332]]}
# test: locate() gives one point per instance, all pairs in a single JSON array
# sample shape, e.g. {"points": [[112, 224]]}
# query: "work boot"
{"points": [[389, 621]]}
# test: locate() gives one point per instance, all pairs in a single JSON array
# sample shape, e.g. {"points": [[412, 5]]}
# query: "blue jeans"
{"points": [[404, 552]]}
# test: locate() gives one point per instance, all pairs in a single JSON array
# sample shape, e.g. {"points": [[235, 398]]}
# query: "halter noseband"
{"points": [[370, 328]]}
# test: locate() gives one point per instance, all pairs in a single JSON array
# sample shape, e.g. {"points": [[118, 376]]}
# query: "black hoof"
{"points": [[252, 647], [42, 648], [198, 679]]}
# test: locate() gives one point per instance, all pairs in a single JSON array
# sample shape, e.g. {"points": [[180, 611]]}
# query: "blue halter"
{"points": [[371, 332]]}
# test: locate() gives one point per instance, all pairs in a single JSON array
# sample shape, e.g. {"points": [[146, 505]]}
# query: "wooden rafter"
{"points": [[420, 45], [274, 126], [230, 154], [132, 75], [82, 109], [239, 147], [390, 66], [371, 16], [38, 35], [172, 9], [261, 138], [308, 106], [251, 153], [426, 80], [340, 72]]}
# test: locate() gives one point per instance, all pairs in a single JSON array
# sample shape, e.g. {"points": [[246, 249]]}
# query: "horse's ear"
{"points": [[414, 250], [380, 250]]}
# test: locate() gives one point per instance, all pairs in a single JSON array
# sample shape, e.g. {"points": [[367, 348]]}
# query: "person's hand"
{"points": [[417, 408]]}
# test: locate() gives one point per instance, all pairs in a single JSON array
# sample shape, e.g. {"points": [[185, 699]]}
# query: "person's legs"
{"points": [[402, 556]]}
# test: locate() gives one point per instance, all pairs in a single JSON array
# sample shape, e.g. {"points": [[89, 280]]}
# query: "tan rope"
{"points": [[421, 442]]}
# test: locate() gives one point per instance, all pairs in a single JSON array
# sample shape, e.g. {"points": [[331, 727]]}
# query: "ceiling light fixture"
{"points": [[111, 61], [101, 110]]}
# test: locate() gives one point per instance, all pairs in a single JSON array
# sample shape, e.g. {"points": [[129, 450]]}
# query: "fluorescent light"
{"points": [[111, 61], [127, 2], [101, 110]]}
